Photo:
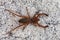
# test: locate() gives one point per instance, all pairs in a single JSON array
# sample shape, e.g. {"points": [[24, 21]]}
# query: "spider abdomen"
{"points": [[23, 20]]}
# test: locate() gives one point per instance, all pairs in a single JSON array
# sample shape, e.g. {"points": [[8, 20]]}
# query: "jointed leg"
{"points": [[42, 25], [13, 12], [24, 26], [39, 14], [14, 29], [42, 14], [27, 12]]}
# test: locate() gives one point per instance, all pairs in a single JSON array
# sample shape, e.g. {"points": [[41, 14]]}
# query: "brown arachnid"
{"points": [[25, 20]]}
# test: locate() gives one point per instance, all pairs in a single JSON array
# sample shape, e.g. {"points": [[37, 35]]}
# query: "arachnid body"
{"points": [[25, 20]]}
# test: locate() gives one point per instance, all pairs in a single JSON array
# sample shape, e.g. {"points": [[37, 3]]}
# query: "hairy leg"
{"points": [[13, 12]]}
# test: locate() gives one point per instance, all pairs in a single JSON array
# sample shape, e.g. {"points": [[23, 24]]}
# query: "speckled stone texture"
{"points": [[8, 21]]}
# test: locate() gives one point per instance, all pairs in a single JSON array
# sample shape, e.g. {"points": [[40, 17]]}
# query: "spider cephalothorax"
{"points": [[25, 20]]}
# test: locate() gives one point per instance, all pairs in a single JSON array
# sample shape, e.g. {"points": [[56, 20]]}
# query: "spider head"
{"points": [[34, 20]]}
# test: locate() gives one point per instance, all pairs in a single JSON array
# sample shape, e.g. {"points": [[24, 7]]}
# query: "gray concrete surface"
{"points": [[7, 21]]}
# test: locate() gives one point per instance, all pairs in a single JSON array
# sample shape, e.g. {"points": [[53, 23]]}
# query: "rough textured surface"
{"points": [[7, 21]]}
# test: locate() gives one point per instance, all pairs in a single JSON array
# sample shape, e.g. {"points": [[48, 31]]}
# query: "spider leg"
{"points": [[27, 12], [24, 26], [13, 29], [42, 14], [42, 25], [13, 12]]}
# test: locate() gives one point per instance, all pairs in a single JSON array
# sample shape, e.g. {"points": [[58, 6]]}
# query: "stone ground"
{"points": [[8, 21]]}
